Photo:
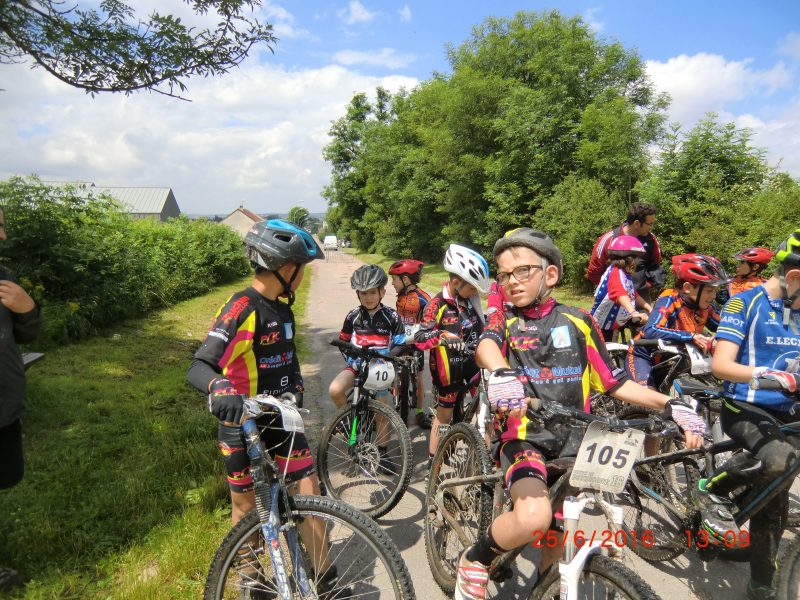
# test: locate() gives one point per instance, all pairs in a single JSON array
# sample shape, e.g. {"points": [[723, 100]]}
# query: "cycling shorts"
{"points": [[520, 459], [292, 455], [446, 386]]}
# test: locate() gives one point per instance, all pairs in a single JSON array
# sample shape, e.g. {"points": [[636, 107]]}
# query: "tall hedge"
{"points": [[90, 264]]}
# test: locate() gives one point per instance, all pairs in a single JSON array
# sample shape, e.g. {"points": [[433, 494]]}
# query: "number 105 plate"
{"points": [[605, 458]]}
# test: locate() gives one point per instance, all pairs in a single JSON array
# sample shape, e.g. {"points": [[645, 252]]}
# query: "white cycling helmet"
{"points": [[469, 265]]}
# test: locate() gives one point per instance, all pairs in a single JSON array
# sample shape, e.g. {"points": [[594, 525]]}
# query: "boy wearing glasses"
{"points": [[561, 356]]}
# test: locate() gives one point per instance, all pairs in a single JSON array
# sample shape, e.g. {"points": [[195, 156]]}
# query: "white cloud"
{"points": [[780, 136], [385, 57], [356, 13], [254, 136], [594, 23], [707, 83], [405, 13], [790, 45]]}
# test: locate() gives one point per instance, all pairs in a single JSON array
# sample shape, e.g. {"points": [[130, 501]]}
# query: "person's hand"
{"points": [[638, 317], [506, 393], [224, 402], [453, 342], [684, 416], [703, 342], [14, 298], [788, 381]]}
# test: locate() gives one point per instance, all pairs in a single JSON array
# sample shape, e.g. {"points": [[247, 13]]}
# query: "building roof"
{"points": [[248, 213], [140, 200]]}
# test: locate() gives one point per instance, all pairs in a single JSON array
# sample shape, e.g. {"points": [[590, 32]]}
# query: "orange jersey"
{"points": [[411, 306], [742, 284]]}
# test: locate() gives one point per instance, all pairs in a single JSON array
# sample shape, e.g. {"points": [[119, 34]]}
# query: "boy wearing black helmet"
{"points": [[250, 349], [558, 355]]}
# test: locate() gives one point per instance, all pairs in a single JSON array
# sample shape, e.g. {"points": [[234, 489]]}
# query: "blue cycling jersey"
{"points": [[754, 322]]}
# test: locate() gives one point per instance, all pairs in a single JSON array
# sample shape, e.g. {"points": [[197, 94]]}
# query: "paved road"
{"points": [[330, 300]]}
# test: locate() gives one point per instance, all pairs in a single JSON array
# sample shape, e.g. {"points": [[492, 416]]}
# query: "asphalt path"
{"points": [[330, 298]]}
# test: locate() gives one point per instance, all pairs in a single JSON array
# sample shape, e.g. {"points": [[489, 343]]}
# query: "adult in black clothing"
{"points": [[19, 323]]}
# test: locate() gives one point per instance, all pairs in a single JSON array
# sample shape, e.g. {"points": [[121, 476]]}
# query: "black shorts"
{"points": [[12, 465], [290, 451], [520, 459]]}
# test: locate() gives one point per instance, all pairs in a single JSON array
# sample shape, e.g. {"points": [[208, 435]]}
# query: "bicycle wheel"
{"points": [[663, 508], [788, 573], [602, 578], [461, 453], [352, 464], [362, 561]]}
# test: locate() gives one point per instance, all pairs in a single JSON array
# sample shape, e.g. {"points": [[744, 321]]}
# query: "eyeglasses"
{"points": [[521, 273]]}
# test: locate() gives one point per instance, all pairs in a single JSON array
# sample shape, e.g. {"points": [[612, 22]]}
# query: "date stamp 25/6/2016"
{"points": [[632, 538]]}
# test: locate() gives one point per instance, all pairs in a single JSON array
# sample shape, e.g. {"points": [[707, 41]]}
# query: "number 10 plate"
{"points": [[605, 458]]}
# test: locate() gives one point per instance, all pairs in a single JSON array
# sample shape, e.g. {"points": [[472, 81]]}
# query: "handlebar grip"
{"points": [[766, 384], [651, 342], [341, 344]]}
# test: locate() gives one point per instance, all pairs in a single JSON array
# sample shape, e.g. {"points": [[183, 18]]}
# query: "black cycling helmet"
{"points": [[271, 244], [536, 240], [368, 277]]}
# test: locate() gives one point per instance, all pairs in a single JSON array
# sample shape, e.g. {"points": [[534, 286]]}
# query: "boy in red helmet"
{"points": [[682, 313], [752, 261], [411, 303]]}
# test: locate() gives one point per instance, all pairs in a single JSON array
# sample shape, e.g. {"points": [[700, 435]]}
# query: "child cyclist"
{"points": [[249, 350], [752, 261], [759, 338], [562, 356], [450, 329], [680, 314], [615, 299], [369, 325], [411, 303]]}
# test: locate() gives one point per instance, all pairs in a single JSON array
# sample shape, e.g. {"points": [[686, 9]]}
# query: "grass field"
{"points": [[124, 493]]}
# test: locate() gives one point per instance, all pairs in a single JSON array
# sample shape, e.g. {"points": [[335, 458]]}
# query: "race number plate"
{"points": [[292, 421], [605, 458], [701, 365]]}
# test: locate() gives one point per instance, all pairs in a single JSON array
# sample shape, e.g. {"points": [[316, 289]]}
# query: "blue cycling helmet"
{"points": [[271, 244]]}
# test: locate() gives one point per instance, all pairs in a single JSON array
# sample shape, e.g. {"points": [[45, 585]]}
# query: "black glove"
{"points": [[223, 401], [396, 351], [456, 344]]}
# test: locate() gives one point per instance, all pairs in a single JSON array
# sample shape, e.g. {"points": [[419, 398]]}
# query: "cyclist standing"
{"points": [[250, 349], [450, 328], [411, 303], [759, 337], [562, 357]]}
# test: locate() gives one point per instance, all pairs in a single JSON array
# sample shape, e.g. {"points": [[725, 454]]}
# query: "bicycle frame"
{"points": [[270, 491], [775, 487]]}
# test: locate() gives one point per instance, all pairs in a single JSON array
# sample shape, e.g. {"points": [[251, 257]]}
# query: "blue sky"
{"points": [[255, 136]]}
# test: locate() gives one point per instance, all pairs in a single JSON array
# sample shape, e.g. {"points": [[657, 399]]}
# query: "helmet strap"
{"points": [[287, 285], [787, 299]]}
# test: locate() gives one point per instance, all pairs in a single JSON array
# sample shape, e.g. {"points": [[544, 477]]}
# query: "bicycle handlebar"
{"points": [[771, 384], [361, 352], [651, 424]]}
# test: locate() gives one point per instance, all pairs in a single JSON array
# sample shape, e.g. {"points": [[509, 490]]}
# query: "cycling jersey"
{"points": [[738, 285], [380, 330], [449, 368], [599, 259], [252, 344], [607, 310], [411, 307], [754, 322], [563, 357]]}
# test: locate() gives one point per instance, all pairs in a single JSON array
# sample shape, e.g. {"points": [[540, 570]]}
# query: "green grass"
{"points": [[434, 276], [124, 494]]}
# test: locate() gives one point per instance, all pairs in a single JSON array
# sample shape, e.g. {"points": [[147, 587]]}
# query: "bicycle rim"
{"points": [[462, 453], [361, 473], [364, 560]]}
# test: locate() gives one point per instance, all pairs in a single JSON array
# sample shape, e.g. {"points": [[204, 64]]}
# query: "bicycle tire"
{"points": [[462, 452], [674, 483], [402, 392], [354, 474], [599, 569], [356, 547], [788, 573]]}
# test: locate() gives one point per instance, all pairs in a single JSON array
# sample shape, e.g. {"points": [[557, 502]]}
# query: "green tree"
{"points": [[111, 50], [299, 216]]}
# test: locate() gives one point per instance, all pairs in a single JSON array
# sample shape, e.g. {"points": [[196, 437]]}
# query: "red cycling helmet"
{"points": [[698, 269], [758, 256], [407, 266]]}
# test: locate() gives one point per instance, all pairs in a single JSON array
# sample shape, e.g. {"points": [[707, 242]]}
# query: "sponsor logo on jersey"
{"points": [[219, 333], [277, 360], [270, 338], [560, 336], [236, 309]]}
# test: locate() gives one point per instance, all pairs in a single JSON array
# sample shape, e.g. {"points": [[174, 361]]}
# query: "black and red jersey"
{"points": [[379, 330], [454, 315], [562, 355]]}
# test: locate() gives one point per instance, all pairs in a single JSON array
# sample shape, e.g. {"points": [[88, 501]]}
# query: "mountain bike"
{"points": [[661, 497], [464, 494], [365, 456], [405, 390], [300, 546]]}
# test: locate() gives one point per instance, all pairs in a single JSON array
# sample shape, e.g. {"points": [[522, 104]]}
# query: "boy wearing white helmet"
{"points": [[450, 328]]}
